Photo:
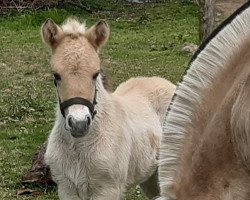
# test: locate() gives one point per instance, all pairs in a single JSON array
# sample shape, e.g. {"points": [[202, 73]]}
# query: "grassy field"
{"points": [[145, 41]]}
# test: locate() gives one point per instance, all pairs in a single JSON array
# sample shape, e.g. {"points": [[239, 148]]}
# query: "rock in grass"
{"points": [[189, 48]]}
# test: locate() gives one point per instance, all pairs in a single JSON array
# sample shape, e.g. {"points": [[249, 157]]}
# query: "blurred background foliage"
{"points": [[10, 6]]}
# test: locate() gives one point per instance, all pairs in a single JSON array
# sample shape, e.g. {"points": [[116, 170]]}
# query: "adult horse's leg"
{"points": [[151, 187]]}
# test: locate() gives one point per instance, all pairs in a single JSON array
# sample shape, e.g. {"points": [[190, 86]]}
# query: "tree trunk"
{"points": [[39, 172], [206, 18]]}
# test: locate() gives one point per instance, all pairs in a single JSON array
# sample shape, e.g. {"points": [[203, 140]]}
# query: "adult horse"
{"points": [[205, 152], [101, 142]]}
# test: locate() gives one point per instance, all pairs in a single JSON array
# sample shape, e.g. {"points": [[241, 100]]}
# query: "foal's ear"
{"points": [[98, 34], [51, 33]]}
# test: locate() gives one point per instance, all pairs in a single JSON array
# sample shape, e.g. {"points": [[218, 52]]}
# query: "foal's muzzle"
{"points": [[78, 128], [79, 120]]}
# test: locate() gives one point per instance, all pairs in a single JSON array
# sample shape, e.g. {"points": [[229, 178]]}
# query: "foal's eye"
{"points": [[57, 77], [95, 75]]}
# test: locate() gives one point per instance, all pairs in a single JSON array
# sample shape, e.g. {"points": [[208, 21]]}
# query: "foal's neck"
{"points": [[103, 96]]}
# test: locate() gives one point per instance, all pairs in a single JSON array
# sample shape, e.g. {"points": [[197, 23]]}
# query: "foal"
{"points": [[101, 142], [205, 152]]}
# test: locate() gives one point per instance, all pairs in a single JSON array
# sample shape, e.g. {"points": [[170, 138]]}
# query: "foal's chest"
{"points": [[82, 169], [74, 165]]}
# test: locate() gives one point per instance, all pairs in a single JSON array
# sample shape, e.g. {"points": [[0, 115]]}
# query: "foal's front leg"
{"points": [[108, 193], [67, 191]]}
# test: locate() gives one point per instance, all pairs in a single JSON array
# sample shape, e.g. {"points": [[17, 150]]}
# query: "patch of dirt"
{"points": [[224, 8]]}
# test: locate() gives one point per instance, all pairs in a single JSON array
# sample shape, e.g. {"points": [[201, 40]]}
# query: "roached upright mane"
{"points": [[73, 27], [211, 58]]}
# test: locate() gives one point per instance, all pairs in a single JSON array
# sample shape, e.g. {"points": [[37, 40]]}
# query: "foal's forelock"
{"points": [[73, 27]]}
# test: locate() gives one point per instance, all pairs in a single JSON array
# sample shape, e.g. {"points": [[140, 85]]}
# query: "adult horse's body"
{"points": [[95, 151], [205, 152]]}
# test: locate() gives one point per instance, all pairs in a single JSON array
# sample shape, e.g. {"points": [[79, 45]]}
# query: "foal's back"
{"points": [[155, 90]]}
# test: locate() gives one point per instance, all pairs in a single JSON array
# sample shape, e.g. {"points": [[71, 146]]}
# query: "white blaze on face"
{"points": [[78, 112]]}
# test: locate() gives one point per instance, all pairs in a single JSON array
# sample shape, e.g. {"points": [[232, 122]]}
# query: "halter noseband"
{"points": [[78, 100]]}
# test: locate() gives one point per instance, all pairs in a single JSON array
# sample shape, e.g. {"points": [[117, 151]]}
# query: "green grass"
{"points": [[144, 41]]}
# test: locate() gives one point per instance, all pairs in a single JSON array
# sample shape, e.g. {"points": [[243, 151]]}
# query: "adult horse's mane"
{"points": [[211, 59]]}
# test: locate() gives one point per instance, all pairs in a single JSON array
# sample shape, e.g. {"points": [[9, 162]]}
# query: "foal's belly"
{"points": [[145, 148]]}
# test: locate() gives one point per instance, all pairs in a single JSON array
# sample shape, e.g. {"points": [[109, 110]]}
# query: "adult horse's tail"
{"points": [[219, 53]]}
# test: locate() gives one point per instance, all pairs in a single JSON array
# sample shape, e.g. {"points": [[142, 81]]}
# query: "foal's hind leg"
{"points": [[151, 187]]}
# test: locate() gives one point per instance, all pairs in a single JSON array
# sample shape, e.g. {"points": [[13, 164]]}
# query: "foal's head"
{"points": [[76, 66]]}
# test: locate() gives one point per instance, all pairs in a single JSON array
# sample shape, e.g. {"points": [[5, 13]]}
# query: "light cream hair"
{"points": [[121, 147]]}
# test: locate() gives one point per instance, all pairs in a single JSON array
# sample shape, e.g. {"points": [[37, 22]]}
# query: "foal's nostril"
{"points": [[88, 121], [70, 121]]}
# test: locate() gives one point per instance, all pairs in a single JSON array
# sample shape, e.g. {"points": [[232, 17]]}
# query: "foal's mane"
{"points": [[73, 27], [210, 59]]}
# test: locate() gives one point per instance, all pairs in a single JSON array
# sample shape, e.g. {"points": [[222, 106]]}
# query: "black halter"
{"points": [[78, 100]]}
